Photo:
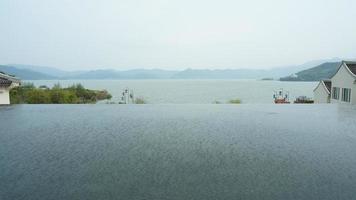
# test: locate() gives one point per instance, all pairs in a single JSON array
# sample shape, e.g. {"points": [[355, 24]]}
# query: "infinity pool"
{"points": [[177, 152]]}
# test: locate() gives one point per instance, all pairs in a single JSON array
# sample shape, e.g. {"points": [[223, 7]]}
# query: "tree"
{"points": [[37, 96]]}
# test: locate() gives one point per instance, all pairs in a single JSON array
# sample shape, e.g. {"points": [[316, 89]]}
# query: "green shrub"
{"points": [[140, 100], [28, 93], [38, 96], [234, 101]]}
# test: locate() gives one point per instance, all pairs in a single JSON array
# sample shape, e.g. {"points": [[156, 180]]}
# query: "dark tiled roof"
{"points": [[327, 83], [352, 67], [5, 82], [8, 77]]}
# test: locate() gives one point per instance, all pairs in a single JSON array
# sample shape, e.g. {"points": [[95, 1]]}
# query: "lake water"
{"points": [[195, 91], [135, 152]]}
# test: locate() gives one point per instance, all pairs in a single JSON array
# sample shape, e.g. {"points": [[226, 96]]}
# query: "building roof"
{"points": [[327, 84], [9, 77], [6, 80], [352, 67]]}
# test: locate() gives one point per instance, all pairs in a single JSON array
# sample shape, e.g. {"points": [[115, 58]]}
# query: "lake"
{"points": [[178, 152], [195, 91]]}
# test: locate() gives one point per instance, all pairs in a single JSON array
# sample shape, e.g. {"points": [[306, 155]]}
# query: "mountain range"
{"points": [[25, 74], [320, 72], [304, 72]]}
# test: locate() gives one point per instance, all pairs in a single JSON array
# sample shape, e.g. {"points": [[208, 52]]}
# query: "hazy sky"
{"points": [[175, 34]]}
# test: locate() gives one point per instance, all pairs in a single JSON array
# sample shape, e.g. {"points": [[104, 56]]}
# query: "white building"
{"points": [[7, 82], [322, 92], [343, 84]]}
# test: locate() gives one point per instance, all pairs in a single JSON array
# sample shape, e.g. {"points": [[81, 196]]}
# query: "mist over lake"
{"points": [[194, 91]]}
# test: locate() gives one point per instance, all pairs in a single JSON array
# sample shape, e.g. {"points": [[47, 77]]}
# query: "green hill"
{"points": [[323, 71]]}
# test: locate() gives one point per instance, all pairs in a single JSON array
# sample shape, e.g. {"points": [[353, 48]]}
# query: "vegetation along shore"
{"points": [[75, 94]]}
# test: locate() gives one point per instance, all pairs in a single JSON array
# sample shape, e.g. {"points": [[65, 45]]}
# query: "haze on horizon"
{"points": [[176, 34]]}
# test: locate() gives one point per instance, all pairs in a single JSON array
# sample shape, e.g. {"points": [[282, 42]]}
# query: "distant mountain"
{"points": [[314, 63], [246, 73], [96, 74], [237, 73], [323, 71], [48, 70], [32, 72], [219, 74], [185, 74], [129, 74], [45, 70], [25, 74], [148, 74]]}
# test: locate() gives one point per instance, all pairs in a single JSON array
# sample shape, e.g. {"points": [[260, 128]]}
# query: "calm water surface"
{"points": [[195, 91], [178, 152]]}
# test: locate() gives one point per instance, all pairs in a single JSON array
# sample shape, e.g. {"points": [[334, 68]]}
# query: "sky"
{"points": [[175, 34]]}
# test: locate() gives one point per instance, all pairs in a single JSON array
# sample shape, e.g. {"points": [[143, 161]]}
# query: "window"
{"points": [[336, 92], [346, 94]]}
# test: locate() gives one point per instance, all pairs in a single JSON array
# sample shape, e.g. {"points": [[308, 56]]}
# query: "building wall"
{"points": [[343, 79], [321, 95], [4, 96]]}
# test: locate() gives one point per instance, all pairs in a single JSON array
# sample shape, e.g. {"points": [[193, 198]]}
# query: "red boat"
{"points": [[281, 97]]}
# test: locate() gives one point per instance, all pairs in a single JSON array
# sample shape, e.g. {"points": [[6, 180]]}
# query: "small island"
{"points": [[267, 79], [75, 94]]}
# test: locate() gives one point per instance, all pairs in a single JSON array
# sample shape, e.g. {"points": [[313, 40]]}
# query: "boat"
{"points": [[281, 97], [127, 96], [304, 99]]}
